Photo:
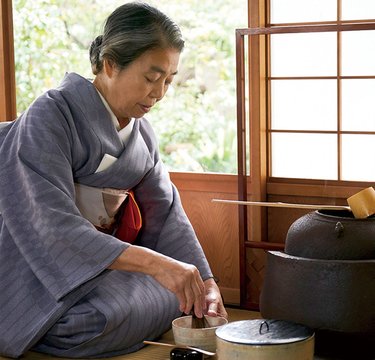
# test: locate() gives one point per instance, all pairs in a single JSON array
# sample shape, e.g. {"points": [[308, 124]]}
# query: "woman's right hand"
{"points": [[182, 279], [185, 282]]}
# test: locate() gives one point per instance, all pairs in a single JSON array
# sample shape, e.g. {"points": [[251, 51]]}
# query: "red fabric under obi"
{"points": [[128, 220]]}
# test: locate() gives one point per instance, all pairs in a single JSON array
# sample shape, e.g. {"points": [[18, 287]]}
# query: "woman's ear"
{"points": [[109, 67]]}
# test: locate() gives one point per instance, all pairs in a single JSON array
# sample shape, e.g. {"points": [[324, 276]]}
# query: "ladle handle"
{"points": [[284, 205]]}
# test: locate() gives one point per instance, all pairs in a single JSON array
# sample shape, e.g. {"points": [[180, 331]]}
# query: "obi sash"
{"points": [[111, 211]]}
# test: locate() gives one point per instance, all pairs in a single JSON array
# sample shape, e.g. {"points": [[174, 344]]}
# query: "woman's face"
{"points": [[133, 91]]}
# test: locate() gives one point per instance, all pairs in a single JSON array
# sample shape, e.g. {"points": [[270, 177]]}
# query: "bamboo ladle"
{"points": [[361, 204]]}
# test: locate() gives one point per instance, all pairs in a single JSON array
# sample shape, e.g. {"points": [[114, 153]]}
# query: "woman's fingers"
{"points": [[194, 294], [212, 309], [215, 306]]}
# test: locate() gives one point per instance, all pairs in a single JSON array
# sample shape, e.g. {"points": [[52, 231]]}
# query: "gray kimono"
{"points": [[56, 294]]}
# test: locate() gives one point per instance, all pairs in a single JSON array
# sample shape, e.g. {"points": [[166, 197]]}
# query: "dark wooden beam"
{"points": [[7, 73]]}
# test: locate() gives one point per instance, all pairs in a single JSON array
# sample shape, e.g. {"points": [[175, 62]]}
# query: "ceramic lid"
{"points": [[263, 332]]}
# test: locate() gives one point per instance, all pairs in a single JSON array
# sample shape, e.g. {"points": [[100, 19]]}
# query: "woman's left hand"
{"points": [[214, 301]]}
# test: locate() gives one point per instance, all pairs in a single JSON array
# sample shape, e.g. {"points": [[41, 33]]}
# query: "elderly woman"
{"points": [[80, 172]]}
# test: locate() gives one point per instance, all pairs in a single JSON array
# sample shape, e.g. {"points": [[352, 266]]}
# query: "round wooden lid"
{"points": [[263, 332]]}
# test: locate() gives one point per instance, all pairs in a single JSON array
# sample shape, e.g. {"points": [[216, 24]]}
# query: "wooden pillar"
{"points": [[252, 223], [7, 75], [258, 122]]}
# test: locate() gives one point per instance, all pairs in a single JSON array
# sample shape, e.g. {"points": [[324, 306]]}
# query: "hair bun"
{"points": [[95, 59], [97, 42]]}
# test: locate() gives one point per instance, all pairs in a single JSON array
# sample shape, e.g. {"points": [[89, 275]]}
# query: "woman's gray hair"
{"points": [[131, 30]]}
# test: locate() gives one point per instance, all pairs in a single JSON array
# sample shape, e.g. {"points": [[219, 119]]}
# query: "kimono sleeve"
{"points": [[37, 201], [167, 228]]}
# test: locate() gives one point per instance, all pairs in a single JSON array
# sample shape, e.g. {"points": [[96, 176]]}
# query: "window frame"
{"points": [[258, 117], [320, 27]]}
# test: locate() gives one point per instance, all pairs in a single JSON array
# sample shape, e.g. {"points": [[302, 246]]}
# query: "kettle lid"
{"points": [[264, 332]]}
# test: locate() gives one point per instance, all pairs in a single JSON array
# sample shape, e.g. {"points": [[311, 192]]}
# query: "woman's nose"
{"points": [[158, 91]]}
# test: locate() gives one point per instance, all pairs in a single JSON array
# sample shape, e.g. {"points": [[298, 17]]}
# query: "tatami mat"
{"points": [[151, 352]]}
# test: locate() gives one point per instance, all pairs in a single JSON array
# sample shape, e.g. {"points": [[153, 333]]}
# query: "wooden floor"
{"points": [[151, 352]]}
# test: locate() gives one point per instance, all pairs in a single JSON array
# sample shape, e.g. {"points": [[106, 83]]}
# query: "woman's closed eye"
{"points": [[150, 80]]}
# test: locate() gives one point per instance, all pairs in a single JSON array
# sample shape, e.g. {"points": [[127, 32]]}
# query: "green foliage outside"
{"points": [[196, 122]]}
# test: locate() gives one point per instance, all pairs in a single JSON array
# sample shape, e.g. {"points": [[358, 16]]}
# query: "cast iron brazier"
{"points": [[326, 280]]}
